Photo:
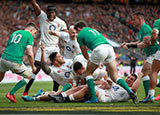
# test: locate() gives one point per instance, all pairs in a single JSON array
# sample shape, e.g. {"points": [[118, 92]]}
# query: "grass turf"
{"points": [[21, 105]]}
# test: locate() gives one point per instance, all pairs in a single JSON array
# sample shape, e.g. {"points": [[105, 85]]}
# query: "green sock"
{"points": [[91, 87], [122, 83], [66, 87], [158, 83], [146, 86], [18, 86]]}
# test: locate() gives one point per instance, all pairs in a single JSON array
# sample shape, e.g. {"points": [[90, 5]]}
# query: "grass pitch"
{"points": [[39, 107]]}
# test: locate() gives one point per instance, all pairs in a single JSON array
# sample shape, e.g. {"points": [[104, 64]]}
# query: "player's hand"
{"points": [[42, 47], [147, 40], [34, 69], [124, 45], [51, 32]]}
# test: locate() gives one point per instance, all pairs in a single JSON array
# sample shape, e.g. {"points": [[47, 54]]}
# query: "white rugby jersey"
{"points": [[97, 75], [71, 47], [46, 25], [61, 74], [115, 94]]}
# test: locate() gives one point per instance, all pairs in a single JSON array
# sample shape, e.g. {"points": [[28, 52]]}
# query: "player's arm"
{"points": [[154, 36], [55, 33], [84, 52], [44, 65], [36, 7], [31, 57], [137, 83], [129, 45], [144, 44]]}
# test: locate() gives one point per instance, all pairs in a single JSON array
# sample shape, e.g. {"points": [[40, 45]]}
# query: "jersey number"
{"points": [[16, 38], [95, 32]]}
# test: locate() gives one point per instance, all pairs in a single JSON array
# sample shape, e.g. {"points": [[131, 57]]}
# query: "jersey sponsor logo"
{"points": [[52, 27], [67, 74], [115, 88], [68, 48]]}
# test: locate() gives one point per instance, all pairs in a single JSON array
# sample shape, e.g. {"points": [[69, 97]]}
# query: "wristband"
{"points": [[132, 45]]}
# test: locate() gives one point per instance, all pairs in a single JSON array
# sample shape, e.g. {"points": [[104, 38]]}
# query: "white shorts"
{"points": [[157, 55], [151, 58], [102, 53], [48, 51], [20, 69]]}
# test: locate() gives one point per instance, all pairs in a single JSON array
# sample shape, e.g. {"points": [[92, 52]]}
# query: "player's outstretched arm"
{"points": [[36, 7], [44, 65]]}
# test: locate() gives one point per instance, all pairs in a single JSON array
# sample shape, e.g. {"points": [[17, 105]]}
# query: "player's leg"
{"points": [[153, 78], [55, 86], [91, 67], [112, 70], [146, 70], [1, 75], [3, 69], [22, 70], [29, 84]]}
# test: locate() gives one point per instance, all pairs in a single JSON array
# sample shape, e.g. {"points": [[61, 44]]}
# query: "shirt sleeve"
{"points": [[79, 40], [63, 26], [30, 40], [147, 32], [42, 16], [156, 26], [63, 35]]}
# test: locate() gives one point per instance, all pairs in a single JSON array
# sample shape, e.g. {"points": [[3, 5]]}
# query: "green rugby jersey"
{"points": [[146, 30], [156, 26], [16, 45], [91, 38]]}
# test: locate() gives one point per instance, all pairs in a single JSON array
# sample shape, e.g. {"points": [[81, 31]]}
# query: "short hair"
{"points": [[30, 24], [52, 56], [139, 14], [80, 24], [133, 74], [51, 8], [76, 66]]}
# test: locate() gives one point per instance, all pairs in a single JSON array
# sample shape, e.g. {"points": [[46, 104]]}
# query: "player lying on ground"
{"points": [[106, 91]]}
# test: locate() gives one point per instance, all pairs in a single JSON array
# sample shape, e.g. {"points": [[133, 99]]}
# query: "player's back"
{"points": [[16, 45]]}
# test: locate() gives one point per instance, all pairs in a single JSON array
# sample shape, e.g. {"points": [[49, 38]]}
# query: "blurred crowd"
{"points": [[114, 21]]}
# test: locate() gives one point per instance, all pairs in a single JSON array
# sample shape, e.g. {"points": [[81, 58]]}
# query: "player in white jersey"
{"points": [[106, 91], [78, 73], [60, 69], [48, 21], [71, 46]]}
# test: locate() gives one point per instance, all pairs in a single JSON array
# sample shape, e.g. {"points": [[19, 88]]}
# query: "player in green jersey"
{"points": [[156, 63], [102, 52], [145, 32], [12, 57]]}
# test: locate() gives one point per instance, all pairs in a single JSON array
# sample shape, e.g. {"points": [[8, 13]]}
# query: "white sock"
{"points": [[37, 98], [89, 77], [71, 97], [64, 94], [145, 78], [151, 92]]}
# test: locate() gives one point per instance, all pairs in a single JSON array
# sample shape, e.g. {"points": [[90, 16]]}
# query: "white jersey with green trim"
{"points": [[45, 26]]}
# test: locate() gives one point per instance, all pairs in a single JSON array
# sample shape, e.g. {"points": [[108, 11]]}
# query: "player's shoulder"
{"points": [[157, 21], [59, 19]]}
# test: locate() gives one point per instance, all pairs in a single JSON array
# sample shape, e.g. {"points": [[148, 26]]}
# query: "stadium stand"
{"points": [[113, 20]]}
